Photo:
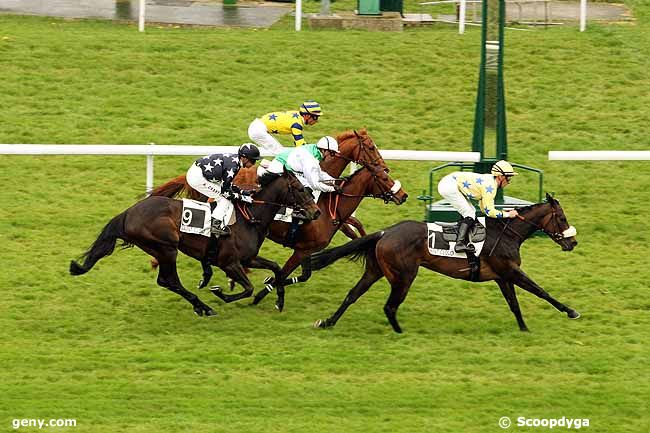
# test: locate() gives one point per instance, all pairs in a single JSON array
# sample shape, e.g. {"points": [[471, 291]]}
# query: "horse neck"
{"points": [[264, 213], [519, 230], [353, 192], [336, 165]]}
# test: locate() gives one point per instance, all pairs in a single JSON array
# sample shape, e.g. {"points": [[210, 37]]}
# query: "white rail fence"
{"points": [[600, 155], [151, 150]]}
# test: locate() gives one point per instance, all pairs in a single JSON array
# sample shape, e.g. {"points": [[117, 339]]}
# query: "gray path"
{"points": [[161, 11]]}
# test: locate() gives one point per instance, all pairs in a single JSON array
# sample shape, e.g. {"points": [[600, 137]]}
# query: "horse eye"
{"points": [[387, 170]]}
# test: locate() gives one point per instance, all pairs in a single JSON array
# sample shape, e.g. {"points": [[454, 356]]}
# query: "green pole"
{"points": [[490, 116]]}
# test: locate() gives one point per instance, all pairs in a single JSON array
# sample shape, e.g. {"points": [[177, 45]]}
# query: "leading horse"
{"points": [[399, 251], [153, 225]]}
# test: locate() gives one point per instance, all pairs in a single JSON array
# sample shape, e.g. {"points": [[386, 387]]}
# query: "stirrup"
{"points": [[217, 230], [464, 247]]}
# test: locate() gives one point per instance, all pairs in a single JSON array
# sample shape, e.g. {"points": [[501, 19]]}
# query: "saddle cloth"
{"points": [[196, 217], [441, 238]]}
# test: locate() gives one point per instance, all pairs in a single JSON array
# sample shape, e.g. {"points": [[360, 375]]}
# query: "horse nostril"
{"points": [[405, 197], [316, 214]]}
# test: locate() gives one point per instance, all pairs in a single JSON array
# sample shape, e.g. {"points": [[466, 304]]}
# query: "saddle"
{"points": [[442, 237], [477, 233]]}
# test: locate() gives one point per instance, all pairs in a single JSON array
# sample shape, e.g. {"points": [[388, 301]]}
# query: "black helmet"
{"points": [[250, 151]]}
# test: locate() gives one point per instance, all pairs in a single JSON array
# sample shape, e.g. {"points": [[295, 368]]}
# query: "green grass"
{"points": [[120, 354]]}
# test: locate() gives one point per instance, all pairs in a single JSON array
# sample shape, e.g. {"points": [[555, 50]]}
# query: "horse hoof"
{"points": [[279, 307], [198, 312], [210, 312], [573, 314], [317, 323], [216, 289], [201, 285]]}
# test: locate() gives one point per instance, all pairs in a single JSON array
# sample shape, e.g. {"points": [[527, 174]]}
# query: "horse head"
{"points": [[550, 218], [288, 190], [381, 185]]}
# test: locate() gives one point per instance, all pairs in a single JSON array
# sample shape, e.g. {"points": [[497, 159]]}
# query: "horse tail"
{"points": [[102, 247], [177, 187], [358, 249]]}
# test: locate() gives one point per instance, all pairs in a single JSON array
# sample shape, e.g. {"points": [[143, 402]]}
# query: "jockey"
{"points": [[304, 163], [213, 176], [283, 122], [459, 187]]}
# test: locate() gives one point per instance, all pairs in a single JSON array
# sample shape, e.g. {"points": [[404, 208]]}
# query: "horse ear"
{"points": [[550, 199]]}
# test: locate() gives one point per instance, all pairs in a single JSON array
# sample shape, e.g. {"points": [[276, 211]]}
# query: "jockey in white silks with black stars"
{"points": [[213, 177], [286, 123], [304, 163], [461, 186]]}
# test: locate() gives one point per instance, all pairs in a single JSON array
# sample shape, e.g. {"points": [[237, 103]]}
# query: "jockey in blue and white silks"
{"points": [[213, 177]]}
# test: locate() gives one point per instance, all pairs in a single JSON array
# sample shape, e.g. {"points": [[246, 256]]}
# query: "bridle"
{"points": [[291, 192], [363, 151], [386, 195], [556, 235]]}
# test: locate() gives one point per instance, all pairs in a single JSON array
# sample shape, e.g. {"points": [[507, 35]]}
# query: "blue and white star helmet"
{"points": [[250, 151]]}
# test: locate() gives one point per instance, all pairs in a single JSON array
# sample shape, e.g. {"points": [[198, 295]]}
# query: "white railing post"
{"points": [[583, 15], [149, 184], [298, 15], [461, 17], [141, 16]]}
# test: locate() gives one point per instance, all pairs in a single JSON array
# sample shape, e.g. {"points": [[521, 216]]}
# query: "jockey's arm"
{"points": [[296, 133]]}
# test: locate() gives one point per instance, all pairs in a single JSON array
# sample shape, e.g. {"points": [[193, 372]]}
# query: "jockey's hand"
{"points": [[338, 189], [513, 213], [327, 188], [246, 198]]}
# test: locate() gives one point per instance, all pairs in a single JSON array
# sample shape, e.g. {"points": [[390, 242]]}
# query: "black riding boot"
{"points": [[463, 235], [218, 230]]}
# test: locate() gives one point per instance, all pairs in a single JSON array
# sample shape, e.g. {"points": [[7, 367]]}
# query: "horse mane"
{"points": [[351, 134], [177, 187]]}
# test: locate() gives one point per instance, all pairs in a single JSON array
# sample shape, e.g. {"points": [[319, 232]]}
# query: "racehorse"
{"points": [[399, 251], [371, 180], [153, 225]]}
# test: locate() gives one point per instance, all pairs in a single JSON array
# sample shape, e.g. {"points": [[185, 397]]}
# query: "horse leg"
{"points": [[520, 278], [508, 291], [168, 278], [287, 269], [236, 272], [354, 222], [348, 231], [207, 274], [371, 274], [400, 283]]}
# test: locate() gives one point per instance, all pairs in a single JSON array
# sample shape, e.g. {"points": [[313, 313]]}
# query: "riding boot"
{"points": [[462, 241], [219, 229]]}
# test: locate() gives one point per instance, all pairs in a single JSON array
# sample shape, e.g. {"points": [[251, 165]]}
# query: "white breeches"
{"points": [[195, 179], [258, 133], [448, 189]]}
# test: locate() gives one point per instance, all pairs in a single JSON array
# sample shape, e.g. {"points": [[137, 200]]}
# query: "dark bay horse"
{"points": [[153, 225], [399, 251]]}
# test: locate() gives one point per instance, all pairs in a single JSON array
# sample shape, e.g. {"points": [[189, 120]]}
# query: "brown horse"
{"points": [[399, 251], [153, 225]]}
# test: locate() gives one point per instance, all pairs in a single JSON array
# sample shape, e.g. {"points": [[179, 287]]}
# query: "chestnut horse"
{"points": [[399, 251], [153, 225]]}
